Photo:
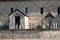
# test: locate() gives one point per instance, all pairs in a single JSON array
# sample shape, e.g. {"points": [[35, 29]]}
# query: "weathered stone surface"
{"points": [[28, 34], [34, 12]]}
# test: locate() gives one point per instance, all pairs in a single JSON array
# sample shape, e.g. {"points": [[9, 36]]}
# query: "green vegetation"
{"points": [[39, 27], [4, 27]]}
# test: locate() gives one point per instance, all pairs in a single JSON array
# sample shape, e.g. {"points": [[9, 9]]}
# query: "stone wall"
{"points": [[29, 34], [35, 16]]}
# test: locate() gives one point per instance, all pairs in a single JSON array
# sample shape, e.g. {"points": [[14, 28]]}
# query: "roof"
{"points": [[19, 11], [49, 15]]}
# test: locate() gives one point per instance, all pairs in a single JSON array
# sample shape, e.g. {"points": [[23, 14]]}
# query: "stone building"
{"points": [[29, 14]]}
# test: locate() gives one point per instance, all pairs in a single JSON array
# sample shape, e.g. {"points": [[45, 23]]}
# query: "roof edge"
{"points": [[19, 11]]}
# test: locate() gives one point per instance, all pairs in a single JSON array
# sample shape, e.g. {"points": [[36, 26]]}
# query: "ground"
{"points": [[29, 34]]}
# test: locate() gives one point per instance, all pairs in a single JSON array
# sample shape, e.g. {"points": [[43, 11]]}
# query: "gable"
{"points": [[17, 11], [49, 15]]}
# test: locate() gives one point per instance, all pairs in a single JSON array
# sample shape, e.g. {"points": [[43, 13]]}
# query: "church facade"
{"points": [[29, 14]]}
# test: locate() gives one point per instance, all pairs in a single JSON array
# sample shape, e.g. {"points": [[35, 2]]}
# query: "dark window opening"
{"points": [[17, 21], [58, 10], [41, 10], [11, 10], [26, 10]]}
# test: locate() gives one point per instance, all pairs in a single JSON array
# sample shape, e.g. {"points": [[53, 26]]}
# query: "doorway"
{"points": [[17, 22]]}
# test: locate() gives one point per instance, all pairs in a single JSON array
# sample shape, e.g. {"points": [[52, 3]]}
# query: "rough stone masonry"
{"points": [[34, 12], [29, 34]]}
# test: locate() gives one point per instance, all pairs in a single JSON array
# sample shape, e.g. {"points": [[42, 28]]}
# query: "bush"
{"points": [[39, 27], [5, 27]]}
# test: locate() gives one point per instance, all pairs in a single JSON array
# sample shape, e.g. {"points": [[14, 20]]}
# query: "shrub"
{"points": [[39, 27], [5, 27]]}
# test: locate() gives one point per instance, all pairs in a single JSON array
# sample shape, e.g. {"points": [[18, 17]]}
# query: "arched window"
{"points": [[26, 10], [11, 10], [41, 10], [58, 10]]}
